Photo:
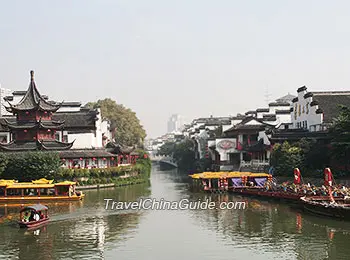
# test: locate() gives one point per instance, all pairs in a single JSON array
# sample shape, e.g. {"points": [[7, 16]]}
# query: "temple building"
{"points": [[33, 127], [79, 134]]}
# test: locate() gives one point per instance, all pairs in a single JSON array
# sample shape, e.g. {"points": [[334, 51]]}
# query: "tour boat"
{"points": [[261, 185], [33, 216], [228, 181], [12, 191]]}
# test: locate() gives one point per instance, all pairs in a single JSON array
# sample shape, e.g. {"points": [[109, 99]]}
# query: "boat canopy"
{"points": [[65, 183], [37, 207], [42, 181], [6, 182], [217, 175], [29, 185], [37, 184]]}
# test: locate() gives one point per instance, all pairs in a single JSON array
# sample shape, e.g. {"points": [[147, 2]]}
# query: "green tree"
{"points": [[285, 158], [167, 149], [184, 155], [126, 126], [340, 132], [27, 166]]}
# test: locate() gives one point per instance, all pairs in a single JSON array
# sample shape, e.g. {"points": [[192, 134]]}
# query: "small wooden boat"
{"points": [[33, 216], [329, 206], [339, 208]]}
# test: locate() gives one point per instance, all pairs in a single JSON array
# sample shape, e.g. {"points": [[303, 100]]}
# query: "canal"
{"points": [[86, 230]]}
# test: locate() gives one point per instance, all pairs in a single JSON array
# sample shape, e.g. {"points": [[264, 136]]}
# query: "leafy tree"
{"points": [[126, 126], [27, 166], [184, 155], [167, 149], [340, 132], [285, 158]]}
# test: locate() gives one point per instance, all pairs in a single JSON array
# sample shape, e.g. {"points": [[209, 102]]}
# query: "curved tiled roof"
{"points": [[329, 103], [32, 100]]}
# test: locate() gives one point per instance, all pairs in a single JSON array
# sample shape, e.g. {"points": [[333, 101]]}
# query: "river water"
{"points": [[86, 230]]}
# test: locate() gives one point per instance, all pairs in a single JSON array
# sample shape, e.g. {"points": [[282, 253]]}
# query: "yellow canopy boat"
{"points": [[12, 191]]}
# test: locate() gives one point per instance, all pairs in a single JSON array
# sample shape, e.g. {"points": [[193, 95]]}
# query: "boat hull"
{"points": [[326, 209], [33, 224], [18, 199], [269, 194]]}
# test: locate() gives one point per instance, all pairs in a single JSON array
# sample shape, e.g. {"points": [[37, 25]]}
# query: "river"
{"points": [[86, 230]]}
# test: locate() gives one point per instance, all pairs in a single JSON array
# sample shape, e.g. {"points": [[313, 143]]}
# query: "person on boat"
{"points": [[26, 217], [36, 217]]}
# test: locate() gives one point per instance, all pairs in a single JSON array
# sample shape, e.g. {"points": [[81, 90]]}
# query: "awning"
{"points": [[37, 207]]}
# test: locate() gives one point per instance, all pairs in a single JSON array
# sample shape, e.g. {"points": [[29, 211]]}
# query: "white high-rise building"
{"points": [[4, 93], [175, 123]]}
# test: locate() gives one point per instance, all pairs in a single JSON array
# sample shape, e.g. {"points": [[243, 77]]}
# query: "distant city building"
{"points": [[4, 93], [175, 123]]}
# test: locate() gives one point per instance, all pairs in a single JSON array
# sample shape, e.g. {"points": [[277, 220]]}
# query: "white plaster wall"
{"points": [[98, 134], [68, 109], [312, 118], [82, 141], [284, 118], [105, 128], [262, 135], [226, 127]]}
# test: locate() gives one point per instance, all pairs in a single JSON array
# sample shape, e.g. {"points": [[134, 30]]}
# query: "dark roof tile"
{"points": [[329, 103]]}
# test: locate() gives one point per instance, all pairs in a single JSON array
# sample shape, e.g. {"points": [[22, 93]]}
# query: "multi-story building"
{"points": [[311, 115], [35, 123], [175, 123], [4, 93]]}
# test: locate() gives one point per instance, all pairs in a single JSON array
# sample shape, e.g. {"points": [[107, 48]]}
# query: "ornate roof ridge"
{"points": [[32, 100]]}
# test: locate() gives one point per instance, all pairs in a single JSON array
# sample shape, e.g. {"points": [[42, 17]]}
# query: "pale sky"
{"points": [[191, 57]]}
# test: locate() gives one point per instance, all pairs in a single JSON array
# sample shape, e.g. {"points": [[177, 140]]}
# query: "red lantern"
{"points": [[64, 160], [145, 156], [45, 112], [112, 158], [104, 159], [94, 159], [27, 113], [49, 130], [25, 130], [81, 159]]}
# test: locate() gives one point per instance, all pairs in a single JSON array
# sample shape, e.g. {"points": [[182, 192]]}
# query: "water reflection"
{"points": [[85, 230], [77, 230], [268, 227]]}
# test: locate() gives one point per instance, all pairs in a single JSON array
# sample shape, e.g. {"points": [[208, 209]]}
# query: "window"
{"points": [[57, 137], [65, 139]]}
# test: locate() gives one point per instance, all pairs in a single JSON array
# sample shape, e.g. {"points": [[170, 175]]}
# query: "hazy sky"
{"points": [[191, 57]]}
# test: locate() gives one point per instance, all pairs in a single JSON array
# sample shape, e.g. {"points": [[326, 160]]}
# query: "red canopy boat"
{"points": [[33, 216]]}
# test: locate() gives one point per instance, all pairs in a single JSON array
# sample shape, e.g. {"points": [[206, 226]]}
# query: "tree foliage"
{"points": [[27, 166], [340, 132], [182, 152], [285, 158], [125, 125], [167, 149], [308, 155]]}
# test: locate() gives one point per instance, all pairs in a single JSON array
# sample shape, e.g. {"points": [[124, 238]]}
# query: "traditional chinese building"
{"points": [[311, 115], [37, 124], [32, 128]]}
